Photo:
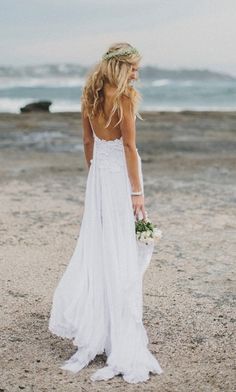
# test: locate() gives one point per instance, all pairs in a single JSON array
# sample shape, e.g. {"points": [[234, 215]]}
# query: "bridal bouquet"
{"points": [[146, 231]]}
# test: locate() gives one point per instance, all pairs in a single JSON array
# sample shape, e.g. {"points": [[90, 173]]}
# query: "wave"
{"points": [[78, 82], [8, 105], [178, 83], [65, 106], [44, 70], [161, 82], [13, 105], [10, 83]]}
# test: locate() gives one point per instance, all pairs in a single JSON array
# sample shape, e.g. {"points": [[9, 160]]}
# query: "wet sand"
{"points": [[189, 168]]}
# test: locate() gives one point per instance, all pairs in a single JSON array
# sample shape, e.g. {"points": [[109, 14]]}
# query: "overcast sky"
{"points": [[168, 33]]}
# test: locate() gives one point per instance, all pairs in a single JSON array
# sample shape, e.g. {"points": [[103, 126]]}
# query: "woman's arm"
{"points": [[128, 131], [88, 138]]}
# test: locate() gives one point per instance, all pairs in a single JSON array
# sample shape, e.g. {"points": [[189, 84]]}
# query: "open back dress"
{"points": [[98, 301]]}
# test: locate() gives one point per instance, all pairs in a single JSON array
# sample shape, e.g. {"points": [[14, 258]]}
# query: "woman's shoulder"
{"points": [[127, 104]]}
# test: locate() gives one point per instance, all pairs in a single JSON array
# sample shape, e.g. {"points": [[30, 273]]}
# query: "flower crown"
{"points": [[120, 52]]}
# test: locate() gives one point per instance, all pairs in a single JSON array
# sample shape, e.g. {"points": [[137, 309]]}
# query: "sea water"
{"points": [[62, 85]]}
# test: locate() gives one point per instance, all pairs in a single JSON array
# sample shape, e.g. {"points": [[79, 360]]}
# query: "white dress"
{"points": [[98, 301]]}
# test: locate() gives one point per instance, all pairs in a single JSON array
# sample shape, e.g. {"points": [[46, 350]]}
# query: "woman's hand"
{"points": [[138, 205]]}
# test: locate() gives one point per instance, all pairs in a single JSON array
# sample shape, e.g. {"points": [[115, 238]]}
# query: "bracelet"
{"points": [[136, 193]]}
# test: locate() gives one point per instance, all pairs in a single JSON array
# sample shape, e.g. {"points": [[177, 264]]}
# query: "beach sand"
{"points": [[189, 168]]}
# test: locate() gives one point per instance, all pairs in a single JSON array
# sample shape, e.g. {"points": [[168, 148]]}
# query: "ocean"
{"points": [[161, 90]]}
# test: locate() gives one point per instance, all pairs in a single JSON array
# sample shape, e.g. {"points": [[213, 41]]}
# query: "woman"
{"points": [[98, 301]]}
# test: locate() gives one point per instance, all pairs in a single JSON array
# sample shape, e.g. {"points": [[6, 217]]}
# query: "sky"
{"points": [[193, 34]]}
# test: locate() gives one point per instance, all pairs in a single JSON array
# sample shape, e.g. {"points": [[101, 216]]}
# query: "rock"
{"points": [[40, 106]]}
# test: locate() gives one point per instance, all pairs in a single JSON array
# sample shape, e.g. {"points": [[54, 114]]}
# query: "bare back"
{"points": [[98, 122]]}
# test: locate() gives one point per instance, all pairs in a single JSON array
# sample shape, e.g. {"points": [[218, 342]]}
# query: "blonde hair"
{"points": [[115, 68]]}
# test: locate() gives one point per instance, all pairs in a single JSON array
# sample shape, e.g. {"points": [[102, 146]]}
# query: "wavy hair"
{"points": [[116, 71]]}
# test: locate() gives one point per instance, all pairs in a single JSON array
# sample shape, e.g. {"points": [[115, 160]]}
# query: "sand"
{"points": [[189, 168]]}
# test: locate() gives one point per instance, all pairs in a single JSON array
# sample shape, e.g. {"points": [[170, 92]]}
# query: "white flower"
{"points": [[148, 241], [138, 235], [143, 235]]}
